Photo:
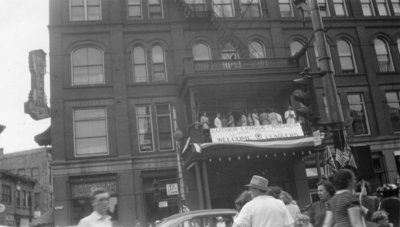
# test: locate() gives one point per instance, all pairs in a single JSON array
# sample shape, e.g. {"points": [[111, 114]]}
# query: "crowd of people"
{"points": [[253, 118], [343, 203]]}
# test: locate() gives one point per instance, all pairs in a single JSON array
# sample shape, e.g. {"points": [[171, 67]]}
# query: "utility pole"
{"points": [[334, 110]]}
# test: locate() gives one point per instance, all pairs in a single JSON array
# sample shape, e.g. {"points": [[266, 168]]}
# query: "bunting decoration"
{"points": [[330, 167]]}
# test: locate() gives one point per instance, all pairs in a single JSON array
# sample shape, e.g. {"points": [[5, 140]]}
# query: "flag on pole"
{"points": [[330, 166], [342, 157]]}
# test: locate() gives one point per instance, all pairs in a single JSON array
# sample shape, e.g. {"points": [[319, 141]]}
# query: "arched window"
{"points": [[295, 47], [383, 56], [158, 58], [257, 49], [346, 56], [139, 64], [229, 51], [87, 66], [201, 51]]}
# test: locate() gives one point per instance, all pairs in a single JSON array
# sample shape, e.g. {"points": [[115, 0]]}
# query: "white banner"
{"points": [[262, 132]]}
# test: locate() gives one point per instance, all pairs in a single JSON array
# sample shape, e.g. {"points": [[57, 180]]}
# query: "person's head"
{"points": [[344, 179], [274, 191], [325, 190], [242, 200], [100, 200], [204, 113], [218, 115], [389, 190], [380, 217], [290, 107], [285, 197], [258, 186]]}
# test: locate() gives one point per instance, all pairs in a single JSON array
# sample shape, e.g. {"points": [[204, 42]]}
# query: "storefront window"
{"points": [[81, 203]]}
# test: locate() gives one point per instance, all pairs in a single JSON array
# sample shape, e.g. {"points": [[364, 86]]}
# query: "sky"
{"points": [[23, 27]]}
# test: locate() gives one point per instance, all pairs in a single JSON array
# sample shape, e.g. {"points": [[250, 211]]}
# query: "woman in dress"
{"points": [[317, 209], [344, 209]]}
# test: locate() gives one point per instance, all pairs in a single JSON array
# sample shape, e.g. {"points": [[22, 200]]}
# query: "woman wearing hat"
{"points": [[391, 203]]}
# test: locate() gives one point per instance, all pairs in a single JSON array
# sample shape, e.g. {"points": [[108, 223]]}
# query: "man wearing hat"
{"points": [[263, 210]]}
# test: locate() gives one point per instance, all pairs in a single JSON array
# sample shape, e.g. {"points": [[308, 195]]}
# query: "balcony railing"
{"points": [[242, 64]]}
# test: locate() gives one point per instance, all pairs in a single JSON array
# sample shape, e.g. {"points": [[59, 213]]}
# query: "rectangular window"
{"points": [[285, 8], [155, 9], [5, 193], [85, 10], [383, 7], [250, 8], [164, 124], [135, 9], [35, 173], [24, 198], [21, 172], [396, 7], [144, 127], [323, 8], [223, 8], [18, 197], [358, 113], [90, 132], [198, 7], [340, 7], [367, 8], [393, 102]]}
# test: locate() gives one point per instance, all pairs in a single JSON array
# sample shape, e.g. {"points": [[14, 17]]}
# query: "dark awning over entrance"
{"points": [[44, 138]]}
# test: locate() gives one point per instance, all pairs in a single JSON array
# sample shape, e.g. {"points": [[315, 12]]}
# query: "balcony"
{"points": [[239, 71]]}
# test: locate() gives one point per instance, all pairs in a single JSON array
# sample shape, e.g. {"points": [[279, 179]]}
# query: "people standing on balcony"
{"points": [[290, 116], [224, 121], [264, 117], [274, 118], [204, 121], [243, 120], [255, 117], [217, 121], [231, 120], [250, 121]]}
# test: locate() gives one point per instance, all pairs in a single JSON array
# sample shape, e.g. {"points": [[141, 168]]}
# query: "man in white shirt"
{"points": [[263, 210], [217, 121], [98, 218]]}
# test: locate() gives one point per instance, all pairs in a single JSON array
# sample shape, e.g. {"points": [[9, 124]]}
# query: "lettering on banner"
{"points": [[84, 190], [251, 133]]}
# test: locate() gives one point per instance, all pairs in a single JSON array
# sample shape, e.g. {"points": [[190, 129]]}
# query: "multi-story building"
{"points": [[16, 196], [35, 165], [124, 74]]}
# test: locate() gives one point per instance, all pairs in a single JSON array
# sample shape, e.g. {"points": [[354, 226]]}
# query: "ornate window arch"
{"points": [[139, 64], [383, 56], [201, 51], [346, 56], [257, 49]]}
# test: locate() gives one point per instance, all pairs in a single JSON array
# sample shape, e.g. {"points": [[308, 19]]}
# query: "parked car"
{"points": [[201, 218]]}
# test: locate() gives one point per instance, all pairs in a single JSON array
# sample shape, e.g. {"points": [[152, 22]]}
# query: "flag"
{"points": [[330, 167], [352, 161], [342, 157]]}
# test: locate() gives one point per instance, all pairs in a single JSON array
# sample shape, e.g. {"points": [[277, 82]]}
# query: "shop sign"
{"points": [[251, 133], [84, 190], [317, 138], [163, 204], [172, 189], [36, 106]]}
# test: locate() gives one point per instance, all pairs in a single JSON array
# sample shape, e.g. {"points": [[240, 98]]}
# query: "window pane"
{"points": [[143, 110], [157, 54], [77, 13], [77, 2], [358, 114], [162, 109], [93, 2], [80, 76], [80, 57], [201, 52], [95, 57], [140, 73], [91, 146], [88, 114], [87, 66], [134, 11], [90, 129], [139, 55], [93, 13], [256, 50]]}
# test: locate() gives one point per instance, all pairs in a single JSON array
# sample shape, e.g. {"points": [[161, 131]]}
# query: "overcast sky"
{"points": [[23, 27]]}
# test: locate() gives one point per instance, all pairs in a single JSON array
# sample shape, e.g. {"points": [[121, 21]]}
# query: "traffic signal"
{"points": [[302, 96], [156, 191]]}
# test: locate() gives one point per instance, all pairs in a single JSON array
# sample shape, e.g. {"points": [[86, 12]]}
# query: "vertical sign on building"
{"points": [[36, 106]]}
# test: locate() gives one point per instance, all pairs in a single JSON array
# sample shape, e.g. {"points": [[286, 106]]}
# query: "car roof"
{"points": [[177, 218]]}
